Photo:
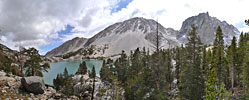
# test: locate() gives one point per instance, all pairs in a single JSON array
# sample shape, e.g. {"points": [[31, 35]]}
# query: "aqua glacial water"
{"points": [[72, 67]]}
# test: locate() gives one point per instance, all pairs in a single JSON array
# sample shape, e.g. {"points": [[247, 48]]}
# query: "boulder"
{"points": [[33, 84], [80, 78], [2, 73], [79, 88]]}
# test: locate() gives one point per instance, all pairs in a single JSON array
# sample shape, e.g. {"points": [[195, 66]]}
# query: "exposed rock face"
{"points": [[206, 28], [84, 88], [68, 46], [140, 32], [33, 84], [83, 84]]}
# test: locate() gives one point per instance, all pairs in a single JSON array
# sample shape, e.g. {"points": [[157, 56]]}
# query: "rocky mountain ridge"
{"points": [[69, 46], [140, 32], [206, 28]]}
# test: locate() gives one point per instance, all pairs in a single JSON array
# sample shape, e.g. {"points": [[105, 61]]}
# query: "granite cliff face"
{"points": [[140, 32], [206, 28]]}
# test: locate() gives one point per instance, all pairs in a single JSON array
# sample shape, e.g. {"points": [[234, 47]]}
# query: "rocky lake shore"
{"points": [[33, 88]]}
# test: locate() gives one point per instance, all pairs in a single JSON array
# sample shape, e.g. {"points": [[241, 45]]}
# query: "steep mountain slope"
{"points": [[206, 28], [68, 46], [130, 34], [141, 32]]}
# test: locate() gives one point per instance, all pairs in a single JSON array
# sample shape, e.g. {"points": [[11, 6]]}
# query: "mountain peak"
{"points": [[140, 32], [136, 25], [204, 14], [206, 28]]}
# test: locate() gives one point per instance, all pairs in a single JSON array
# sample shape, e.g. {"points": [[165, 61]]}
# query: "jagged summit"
{"points": [[206, 28], [140, 32]]}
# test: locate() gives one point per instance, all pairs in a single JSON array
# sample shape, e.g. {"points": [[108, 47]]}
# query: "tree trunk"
{"points": [[232, 77], [93, 88], [33, 72]]}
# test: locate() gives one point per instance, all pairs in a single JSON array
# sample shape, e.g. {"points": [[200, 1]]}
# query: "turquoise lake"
{"points": [[72, 67]]}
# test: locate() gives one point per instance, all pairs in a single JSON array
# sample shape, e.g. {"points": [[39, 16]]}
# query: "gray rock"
{"points": [[206, 28], [7, 99], [33, 84], [2, 73], [4, 91], [81, 88], [8, 84], [32, 95], [51, 90], [77, 78]]}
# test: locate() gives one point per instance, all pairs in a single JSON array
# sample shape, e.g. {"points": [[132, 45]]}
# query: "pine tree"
{"points": [[82, 68], [232, 57], [142, 81], [204, 59], [93, 75], [106, 73], [218, 54], [135, 63], [33, 66], [169, 67], [211, 89], [103, 71], [68, 86], [63, 83], [191, 78], [65, 73], [246, 69], [5, 63], [178, 63], [241, 52], [58, 82], [121, 66]]}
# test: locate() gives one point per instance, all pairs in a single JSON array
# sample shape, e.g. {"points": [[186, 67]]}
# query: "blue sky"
{"points": [[56, 42], [68, 29], [120, 5], [47, 24]]}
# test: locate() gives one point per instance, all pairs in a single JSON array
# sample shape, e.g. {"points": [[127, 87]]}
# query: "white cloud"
{"points": [[35, 22]]}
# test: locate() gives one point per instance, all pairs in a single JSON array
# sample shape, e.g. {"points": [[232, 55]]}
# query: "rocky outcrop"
{"points": [[83, 89], [33, 84], [11, 88]]}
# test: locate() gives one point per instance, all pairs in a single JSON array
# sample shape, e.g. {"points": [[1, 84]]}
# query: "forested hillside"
{"points": [[194, 71]]}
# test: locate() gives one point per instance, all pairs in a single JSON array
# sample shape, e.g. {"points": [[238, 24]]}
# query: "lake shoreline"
{"points": [[72, 67]]}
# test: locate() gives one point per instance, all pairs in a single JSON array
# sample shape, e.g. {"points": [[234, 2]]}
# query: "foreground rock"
{"points": [[33, 84], [84, 85]]}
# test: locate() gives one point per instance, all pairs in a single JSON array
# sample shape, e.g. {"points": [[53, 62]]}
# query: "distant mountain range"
{"points": [[140, 32]]}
